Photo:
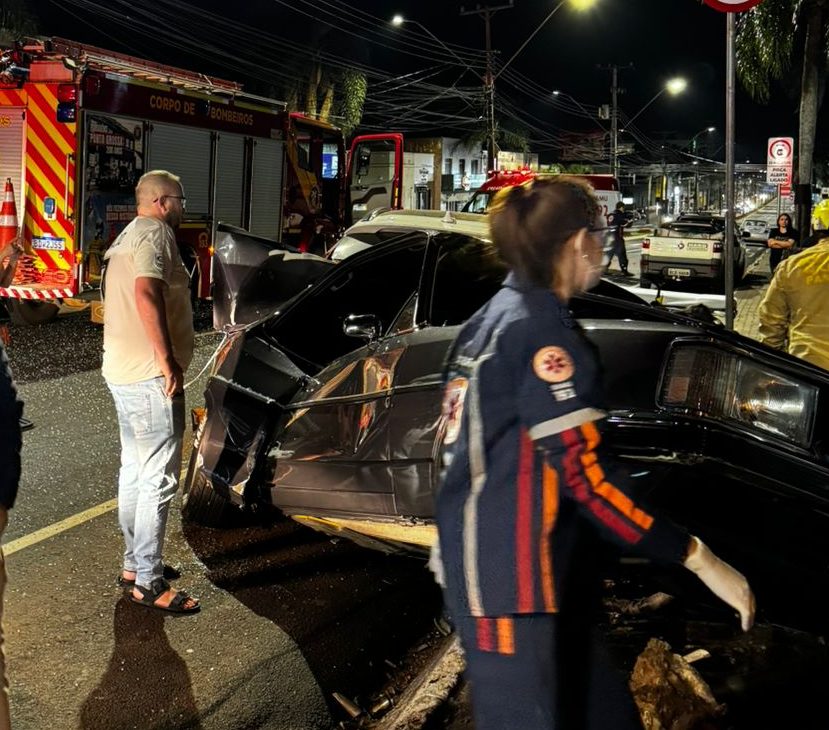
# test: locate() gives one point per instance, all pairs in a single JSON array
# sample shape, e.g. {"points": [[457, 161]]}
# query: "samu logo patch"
{"points": [[453, 400], [553, 364]]}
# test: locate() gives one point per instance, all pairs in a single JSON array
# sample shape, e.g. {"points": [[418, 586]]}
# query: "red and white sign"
{"points": [[779, 160], [732, 6]]}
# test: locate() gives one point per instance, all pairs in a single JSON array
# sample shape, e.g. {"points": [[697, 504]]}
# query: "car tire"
{"points": [[200, 503], [32, 311]]}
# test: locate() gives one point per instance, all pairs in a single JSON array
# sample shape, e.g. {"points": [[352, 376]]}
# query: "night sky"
{"points": [[660, 38]]}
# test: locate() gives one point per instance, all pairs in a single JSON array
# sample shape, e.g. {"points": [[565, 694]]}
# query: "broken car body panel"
{"points": [[341, 431]]}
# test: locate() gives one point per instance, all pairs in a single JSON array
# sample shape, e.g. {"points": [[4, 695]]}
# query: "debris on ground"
{"points": [[669, 692]]}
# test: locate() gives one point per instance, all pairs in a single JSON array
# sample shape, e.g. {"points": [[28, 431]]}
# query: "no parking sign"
{"points": [[779, 160]]}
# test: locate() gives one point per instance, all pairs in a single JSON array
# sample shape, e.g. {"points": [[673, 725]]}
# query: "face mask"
{"points": [[588, 274]]}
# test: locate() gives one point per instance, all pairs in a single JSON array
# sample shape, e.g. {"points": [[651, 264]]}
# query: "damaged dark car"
{"points": [[325, 405]]}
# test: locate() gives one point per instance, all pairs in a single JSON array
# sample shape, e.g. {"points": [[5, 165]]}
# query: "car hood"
{"points": [[253, 276]]}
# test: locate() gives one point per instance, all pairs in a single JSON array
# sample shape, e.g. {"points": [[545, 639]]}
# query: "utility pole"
{"points": [[485, 12], [614, 115]]}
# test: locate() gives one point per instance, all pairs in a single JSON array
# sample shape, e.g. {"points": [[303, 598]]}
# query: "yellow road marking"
{"points": [[56, 528], [44, 533]]}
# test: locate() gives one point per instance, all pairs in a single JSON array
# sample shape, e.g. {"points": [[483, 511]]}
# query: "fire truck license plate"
{"points": [[47, 243], [679, 272]]}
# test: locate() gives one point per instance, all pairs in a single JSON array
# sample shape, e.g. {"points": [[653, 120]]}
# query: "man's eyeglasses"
{"points": [[177, 197]]}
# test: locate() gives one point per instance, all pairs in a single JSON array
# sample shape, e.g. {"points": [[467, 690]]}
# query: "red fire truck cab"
{"points": [[79, 125]]}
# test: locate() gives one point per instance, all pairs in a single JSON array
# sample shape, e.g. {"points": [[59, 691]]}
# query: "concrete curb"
{"points": [[428, 691]]}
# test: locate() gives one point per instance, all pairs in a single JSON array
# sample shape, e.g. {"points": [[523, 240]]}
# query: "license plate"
{"points": [[697, 246], [679, 272]]}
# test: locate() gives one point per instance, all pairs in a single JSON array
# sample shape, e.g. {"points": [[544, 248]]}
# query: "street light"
{"points": [[673, 86], [486, 12], [692, 143], [398, 20]]}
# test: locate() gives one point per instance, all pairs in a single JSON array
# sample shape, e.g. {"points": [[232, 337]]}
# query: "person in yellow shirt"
{"points": [[794, 314]]}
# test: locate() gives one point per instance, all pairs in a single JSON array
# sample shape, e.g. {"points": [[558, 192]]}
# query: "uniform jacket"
{"points": [[11, 409], [794, 314], [523, 463]]}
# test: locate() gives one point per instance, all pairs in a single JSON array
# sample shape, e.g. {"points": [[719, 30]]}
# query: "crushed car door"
{"points": [[460, 276], [332, 455]]}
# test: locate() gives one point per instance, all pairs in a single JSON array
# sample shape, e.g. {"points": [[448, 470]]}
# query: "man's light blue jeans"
{"points": [[152, 428]]}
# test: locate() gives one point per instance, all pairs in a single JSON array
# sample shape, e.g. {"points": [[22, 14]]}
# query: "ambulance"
{"points": [[606, 188]]}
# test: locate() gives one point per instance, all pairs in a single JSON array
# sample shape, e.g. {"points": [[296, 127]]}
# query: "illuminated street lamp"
{"points": [[673, 86], [398, 20], [692, 143], [486, 12]]}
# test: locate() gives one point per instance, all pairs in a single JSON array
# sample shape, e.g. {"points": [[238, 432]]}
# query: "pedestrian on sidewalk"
{"points": [[782, 239], [528, 493], [148, 344], [618, 222], [794, 314], [11, 409]]}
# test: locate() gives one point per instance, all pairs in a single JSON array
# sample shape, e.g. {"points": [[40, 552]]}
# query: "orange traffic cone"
{"points": [[8, 215]]}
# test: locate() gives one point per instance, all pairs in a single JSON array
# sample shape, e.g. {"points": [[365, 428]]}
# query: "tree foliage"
{"points": [[16, 21], [765, 44]]}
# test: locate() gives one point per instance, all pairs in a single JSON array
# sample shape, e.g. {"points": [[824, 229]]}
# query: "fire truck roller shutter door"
{"points": [[266, 189], [12, 130], [230, 170], [184, 151]]}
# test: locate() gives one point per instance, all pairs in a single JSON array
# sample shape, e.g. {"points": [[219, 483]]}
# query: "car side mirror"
{"points": [[363, 326]]}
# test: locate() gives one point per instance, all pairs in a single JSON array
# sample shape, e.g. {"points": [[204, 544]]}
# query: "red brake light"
{"points": [[717, 246], [646, 243], [67, 93]]}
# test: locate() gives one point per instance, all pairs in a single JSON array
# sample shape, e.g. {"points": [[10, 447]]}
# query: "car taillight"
{"points": [[717, 246], [646, 243]]}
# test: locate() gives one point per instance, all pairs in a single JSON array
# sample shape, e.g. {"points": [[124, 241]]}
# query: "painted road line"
{"points": [[44, 533], [56, 528]]}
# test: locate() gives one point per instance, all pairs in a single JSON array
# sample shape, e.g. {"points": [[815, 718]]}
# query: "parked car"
{"points": [[384, 223], [755, 229], [689, 252], [327, 409]]}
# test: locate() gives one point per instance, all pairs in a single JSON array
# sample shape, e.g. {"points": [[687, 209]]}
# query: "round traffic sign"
{"points": [[780, 150], [732, 6]]}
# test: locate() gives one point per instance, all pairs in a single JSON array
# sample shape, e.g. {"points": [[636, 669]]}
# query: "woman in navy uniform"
{"points": [[526, 486]]}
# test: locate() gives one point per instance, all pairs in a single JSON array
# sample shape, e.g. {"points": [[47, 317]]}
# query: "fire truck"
{"points": [[79, 125], [605, 187]]}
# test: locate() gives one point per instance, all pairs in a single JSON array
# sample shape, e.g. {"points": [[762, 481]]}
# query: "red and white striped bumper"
{"points": [[17, 292]]}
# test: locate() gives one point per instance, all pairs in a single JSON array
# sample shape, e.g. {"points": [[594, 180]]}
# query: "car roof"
{"points": [[471, 224]]}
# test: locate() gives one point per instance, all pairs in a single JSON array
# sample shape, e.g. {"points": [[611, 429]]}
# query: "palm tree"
{"points": [[768, 37]]}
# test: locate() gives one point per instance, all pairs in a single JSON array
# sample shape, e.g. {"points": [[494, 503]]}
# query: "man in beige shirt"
{"points": [[148, 344], [794, 314]]}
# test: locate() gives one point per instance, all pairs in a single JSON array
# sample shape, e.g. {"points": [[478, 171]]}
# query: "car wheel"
{"points": [[199, 501], [34, 311]]}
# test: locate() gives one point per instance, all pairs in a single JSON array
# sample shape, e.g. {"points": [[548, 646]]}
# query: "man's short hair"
{"points": [[154, 184]]}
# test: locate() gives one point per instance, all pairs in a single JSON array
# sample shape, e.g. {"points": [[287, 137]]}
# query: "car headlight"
{"points": [[718, 384]]}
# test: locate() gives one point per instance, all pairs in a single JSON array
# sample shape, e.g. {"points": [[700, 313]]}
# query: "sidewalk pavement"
{"points": [[747, 319]]}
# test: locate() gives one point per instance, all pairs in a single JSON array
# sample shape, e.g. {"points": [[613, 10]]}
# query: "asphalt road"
{"points": [[288, 618]]}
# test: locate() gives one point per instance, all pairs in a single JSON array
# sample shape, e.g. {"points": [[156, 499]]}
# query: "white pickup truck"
{"points": [[689, 253]]}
